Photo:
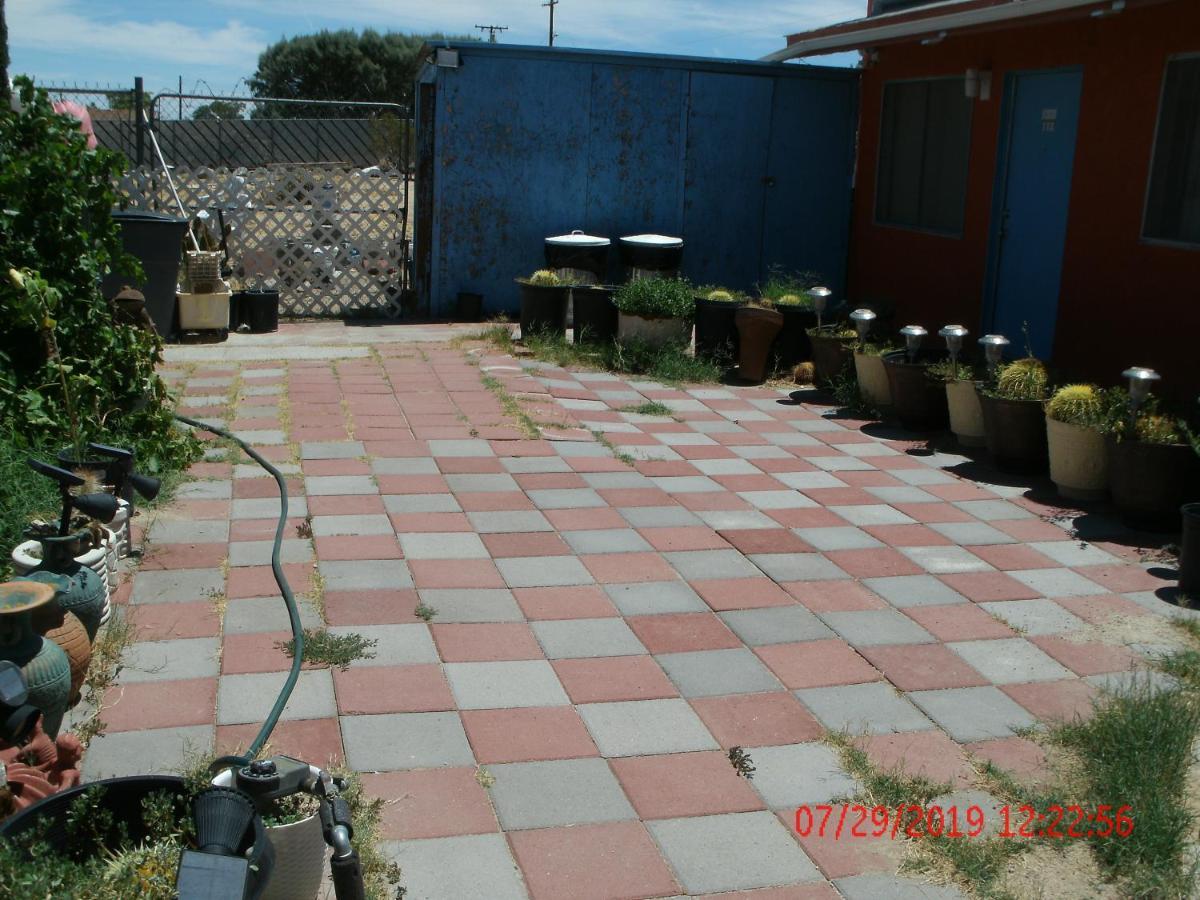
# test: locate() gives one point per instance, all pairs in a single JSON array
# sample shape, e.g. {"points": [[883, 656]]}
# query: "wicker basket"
{"points": [[203, 265]]}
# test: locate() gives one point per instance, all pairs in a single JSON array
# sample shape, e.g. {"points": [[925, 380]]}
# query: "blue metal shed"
{"points": [[750, 163]]}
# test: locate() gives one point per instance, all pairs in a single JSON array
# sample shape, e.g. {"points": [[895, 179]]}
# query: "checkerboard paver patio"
{"points": [[603, 632]]}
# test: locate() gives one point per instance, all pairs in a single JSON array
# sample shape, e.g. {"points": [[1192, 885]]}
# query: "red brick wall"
{"points": [[1138, 303]]}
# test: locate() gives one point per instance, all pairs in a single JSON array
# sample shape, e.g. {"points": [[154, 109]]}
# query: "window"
{"points": [[923, 149], [1173, 203], [886, 6]]}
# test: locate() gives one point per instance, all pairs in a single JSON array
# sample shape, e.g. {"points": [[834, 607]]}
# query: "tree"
{"points": [[219, 109], [338, 65]]}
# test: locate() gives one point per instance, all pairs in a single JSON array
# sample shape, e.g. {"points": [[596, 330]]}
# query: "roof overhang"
{"points": [[934, 21]]}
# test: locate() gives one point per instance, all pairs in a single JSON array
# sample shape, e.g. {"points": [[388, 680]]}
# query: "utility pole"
{"points": [[552, 4], [491, 30]]}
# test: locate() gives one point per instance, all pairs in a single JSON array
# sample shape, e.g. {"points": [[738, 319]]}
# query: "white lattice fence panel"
{"points": [[332, 237]]}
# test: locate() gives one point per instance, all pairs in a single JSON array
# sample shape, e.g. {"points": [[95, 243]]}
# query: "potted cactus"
{"points": [[788, 293], [543, 303], [1076, 444], [657, 311], [1014, 422], [1153, 468], [716, 331]]}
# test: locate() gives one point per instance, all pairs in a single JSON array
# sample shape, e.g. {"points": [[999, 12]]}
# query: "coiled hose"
{"points": [[285, 591]]}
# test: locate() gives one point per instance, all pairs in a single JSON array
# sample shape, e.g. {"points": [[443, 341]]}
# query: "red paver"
{"points": [[741, 593], [1099, 608], [683, 632], [919, 754], [259, 581], [684, 784], [688, 537], [486, 642], [765, 540], [431, 803], [627, 568], [537, 543], [834, 596], [365, 546], [455, 573], [318, 741], [908, 535], [584, 519], [371, 607], [527, 734], [983, 587], [959, 622], [877, 562], [165, 621], [1017, 756], [1054, 701], [185, 556], [582, 601], [1123, 579], [160, 704], [922, 667], [609, 861], [1008, 557], [390, 689], [757, 720], [348, 505], [1087, 657], [817, 664], [842, 857], [613, 678], [245, 653]]}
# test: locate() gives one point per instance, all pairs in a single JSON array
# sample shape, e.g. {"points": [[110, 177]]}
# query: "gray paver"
{"points": [[503, 685], [642, 727], [566, 498], [872, 514], [472, 605], [578, 638], [795, 774], [876, 627], [420, 503], [258, 553], [266, 507], [974, 713], [519, 465], [405, 465], [993, 510], [659, 516], [443, 545], [509, 521], [709, 673], [797, 566], [878, 886], [908, 494], [700, 565], [470, 447], [205, 490], [777, 499], [871, 708], [190, 531], [776, 625], [736, 466], [334, 485], [394, 644], [914, 590], [167, 660], [735, 851], [968, 534], [405, 741], [809, 480], [1010, 661], [365, 575], [1058, 582], [686, 484], [557, 792], [254, 615], [837, 538], [1073, 553], [943, 560], [543, 571], [372, 523], [248, 698], [616, 480], [611, 540], [653, 597], [728, 519], [157, 751], [490, 483], [1035, 617], [331, 449], [176, 586]]}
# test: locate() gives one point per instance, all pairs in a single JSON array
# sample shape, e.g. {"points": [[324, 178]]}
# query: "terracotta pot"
{"points": [[656, 332], [830, 355], [873, 379], [966, 415], [1016, 434], [299, 859], [1150, 482], [918, 401], [757, 329], [1078, 460], [72, 637]]}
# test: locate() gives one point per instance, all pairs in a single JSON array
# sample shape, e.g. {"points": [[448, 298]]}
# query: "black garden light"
{"points": [[122, 476], [101, 507]]}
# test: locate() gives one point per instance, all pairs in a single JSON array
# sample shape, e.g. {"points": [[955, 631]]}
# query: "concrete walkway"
{"points": [[749, 572]]}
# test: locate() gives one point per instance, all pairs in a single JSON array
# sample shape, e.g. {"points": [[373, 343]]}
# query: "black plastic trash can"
{"points": [[259, 310], [155, 239]]}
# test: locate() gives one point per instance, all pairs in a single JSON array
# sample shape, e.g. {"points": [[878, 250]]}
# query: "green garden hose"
{"points": [[285, 591]]}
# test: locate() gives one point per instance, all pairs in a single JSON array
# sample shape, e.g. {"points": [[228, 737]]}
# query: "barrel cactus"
{"points": [[544, 278], [793, 300], [720, 296], [1076, 404], [1025, 379]]}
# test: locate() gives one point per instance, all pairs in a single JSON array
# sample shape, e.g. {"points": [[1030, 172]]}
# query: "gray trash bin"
{"points": [[155, 239]]}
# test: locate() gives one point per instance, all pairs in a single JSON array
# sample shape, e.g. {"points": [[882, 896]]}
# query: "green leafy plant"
{"points": [[841, 332], [656, 298], [1158, 429], [323, 648], [949, 371], [784, 288], [1077, 404], [1024, 379]]}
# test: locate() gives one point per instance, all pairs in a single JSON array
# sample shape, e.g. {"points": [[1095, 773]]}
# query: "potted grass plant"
{"points": [[716, 330], [832, 351], [1153, 467], [543, 303], [1014, 421], [1075, 414], [788, 293], [919, 402], [657, 311], [962, 400]]}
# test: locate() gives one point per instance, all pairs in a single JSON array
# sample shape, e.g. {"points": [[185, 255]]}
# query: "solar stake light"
{"points": [[1141, 380], [862, 323], [913, 335], [954, 335], [820, 300], [993, 349], [101, 507]]}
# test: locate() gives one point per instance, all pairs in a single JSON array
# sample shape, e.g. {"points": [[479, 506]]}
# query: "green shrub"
{"points": [[656, 298], [783, 288], [799, 301], [1076, 404], [1158, 429], [1025, 379], [948, 371]]}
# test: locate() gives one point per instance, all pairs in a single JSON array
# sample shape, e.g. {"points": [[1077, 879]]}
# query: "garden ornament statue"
{"points": [[820, 301], [954, 335], [863, 318], [993, 350], [43, 664], [913, 335]]}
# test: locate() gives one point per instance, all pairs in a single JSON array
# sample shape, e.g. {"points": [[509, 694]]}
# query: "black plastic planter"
{"points": [[595, 314], [470, 307], [1189, 551], [1016, 434], [1149, 482], [543, 309], [792, 345], [918, 401], [716, 329], [831, 355], [260, 311]]}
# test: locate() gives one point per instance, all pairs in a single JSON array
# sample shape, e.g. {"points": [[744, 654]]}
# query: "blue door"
{"points": [[1030, 202]]}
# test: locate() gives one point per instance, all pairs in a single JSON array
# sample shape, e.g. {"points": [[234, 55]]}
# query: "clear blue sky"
{"points": [[217, 42]]}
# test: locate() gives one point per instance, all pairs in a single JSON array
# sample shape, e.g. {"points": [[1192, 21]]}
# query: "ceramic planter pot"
{"points": [[1189, 550], [78, 593], [918, 401], [1149, 482], [72, 639], [792, 344], [966, 413], [44, 665], [830, 355], [873, 379], [543, 309], [89, 570], [656, 332], [757, 330], [1016, 434], [1078, 460], [299, 859], [716, 329], [595, 314]]}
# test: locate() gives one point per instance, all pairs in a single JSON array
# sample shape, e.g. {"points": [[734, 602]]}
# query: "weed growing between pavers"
{"points": [[424, 612], [327, 650], [741, 762], [110, 644], [649, 408], [602, 438], [510, 407]]}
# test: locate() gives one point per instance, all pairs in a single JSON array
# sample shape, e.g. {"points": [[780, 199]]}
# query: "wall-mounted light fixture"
{"points": [[978, 84]]}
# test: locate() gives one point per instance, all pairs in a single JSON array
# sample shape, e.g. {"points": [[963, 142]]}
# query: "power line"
{"points": [[491, 30], [552, 4]]}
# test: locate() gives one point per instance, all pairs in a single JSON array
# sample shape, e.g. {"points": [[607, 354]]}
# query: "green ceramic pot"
{"points": [[44, 665], [80, 592]]}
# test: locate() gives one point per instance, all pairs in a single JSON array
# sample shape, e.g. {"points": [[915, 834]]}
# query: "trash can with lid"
{"points": [[155, 239], [651, 255], [585, 256]]}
